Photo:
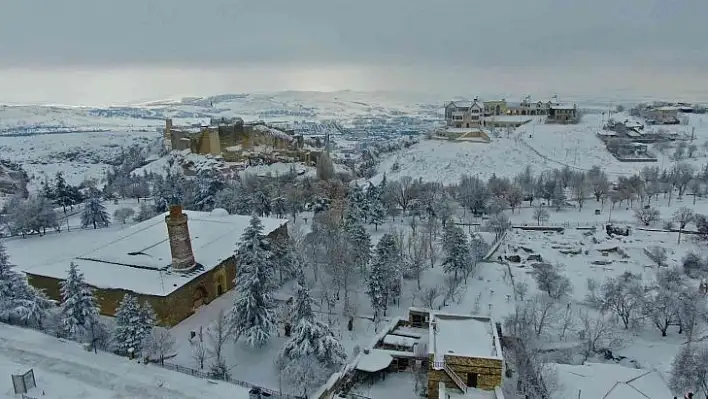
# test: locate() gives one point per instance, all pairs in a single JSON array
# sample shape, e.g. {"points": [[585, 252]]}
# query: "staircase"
{"points": [[455, 378]]}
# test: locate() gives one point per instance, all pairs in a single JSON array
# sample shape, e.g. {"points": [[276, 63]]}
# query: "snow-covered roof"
{"points": [[137, 258], [563, 106], [463, 335], [609, 381], [273, 132], [375, 360], [398, 340], [461, 104]]}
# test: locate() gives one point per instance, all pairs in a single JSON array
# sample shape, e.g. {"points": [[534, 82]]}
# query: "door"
{"points": [[472, 380]]}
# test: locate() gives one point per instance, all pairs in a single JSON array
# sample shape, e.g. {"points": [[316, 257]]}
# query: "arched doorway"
{"points": [[199, 298]]}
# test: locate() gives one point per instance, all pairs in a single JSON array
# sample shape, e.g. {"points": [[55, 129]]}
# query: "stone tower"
{"points": [[180, 242], [167, 134]]}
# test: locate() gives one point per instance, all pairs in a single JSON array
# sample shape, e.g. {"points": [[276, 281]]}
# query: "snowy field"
{"points": [[445, 161], [65, 370], [78, 156]]}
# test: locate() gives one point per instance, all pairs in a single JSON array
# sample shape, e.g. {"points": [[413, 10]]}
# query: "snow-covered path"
{"points": [[84, 374]]}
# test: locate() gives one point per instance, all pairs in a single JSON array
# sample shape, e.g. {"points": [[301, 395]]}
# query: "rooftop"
{"points": [[137, 258], [462, 335], [609, 381]]}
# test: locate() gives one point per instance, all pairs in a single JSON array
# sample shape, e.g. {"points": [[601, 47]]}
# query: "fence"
{"points": [[213, 376]]}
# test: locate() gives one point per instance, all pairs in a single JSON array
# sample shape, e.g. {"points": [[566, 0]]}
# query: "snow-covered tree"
{"points": [[78, 313], [551, 280], [94, 213], [18, 300], [359, 239], [123, 214], [457, 252], [253, 312], [206, 187], [689, 370], [311, 340], [382, 274], [130, 327]]}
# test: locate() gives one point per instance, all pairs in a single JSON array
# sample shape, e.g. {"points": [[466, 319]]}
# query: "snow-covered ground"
{"points": [[65, 370], [78, 156]]}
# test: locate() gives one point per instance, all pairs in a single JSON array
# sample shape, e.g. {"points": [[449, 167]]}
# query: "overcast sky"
{"points": [[167, 47]]}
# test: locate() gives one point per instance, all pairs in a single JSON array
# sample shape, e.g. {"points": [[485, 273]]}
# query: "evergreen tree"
{"points": [[207, 186], [129, 331], [78, 312], [457, 252], [253, 312], [62, 192], [147, 321], [357, 203], [19, 300], [310, 336], [94, 213], [376, 211], [279, 206], [285, 260], [382, 277], [359, 240]]}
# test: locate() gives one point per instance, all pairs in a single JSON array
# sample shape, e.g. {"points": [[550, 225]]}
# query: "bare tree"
{"points": [[123, 214], [541, 215], [691, 311], [658, 255], [623, 296], [551, 280], [220, 331], [579, 185], [430, 294], [682, 217], [199, 349], [161, 344], [520, 290], [403, 191], [417, 255], [597, 332], [514, 197], [647, 216], [689, 370], [661, 309]]}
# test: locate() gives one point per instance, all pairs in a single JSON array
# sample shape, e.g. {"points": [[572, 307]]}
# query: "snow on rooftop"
{"points": [[462, 335], [64, 370], [398, 340], [375, 360], [137, 258], [610, 381]]}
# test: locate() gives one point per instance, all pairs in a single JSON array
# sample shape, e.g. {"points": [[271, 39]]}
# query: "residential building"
{"points": [[464, 114], [464, 353], [496, 107], [665, 115], [177, 262], [562, 113]]}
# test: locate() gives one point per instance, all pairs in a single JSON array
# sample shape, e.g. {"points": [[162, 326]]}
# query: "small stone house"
{"points": [[464, 351], [177, 262]]}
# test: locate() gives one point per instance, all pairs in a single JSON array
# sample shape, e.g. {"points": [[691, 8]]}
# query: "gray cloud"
{"points": [[393, 32]]}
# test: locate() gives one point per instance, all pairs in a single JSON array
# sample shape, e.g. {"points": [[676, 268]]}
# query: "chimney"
{"points": [[180, 242]]}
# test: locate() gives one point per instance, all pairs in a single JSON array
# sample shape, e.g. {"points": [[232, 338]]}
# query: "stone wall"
{"points": [[489, 373], [170, 309]]}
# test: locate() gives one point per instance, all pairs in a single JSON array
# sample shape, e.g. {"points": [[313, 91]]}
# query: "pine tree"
{"points": [[382, 277], [147, 321], [285, 260], [310, 336], [376, 211], [78, 312], [62, 192], [207, 186], [95, 214], [19, 300], [253, 311], [457, 252], [129, 332], [359, 239]]}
